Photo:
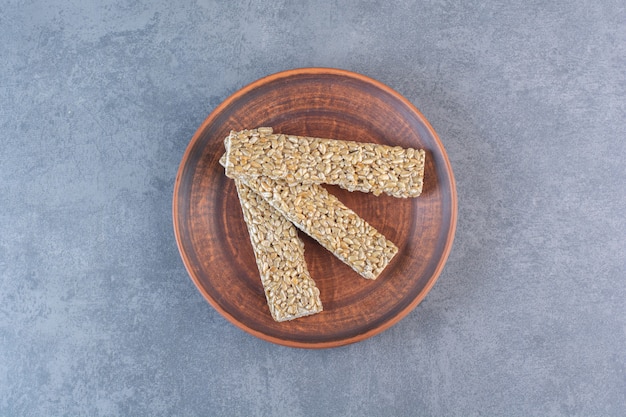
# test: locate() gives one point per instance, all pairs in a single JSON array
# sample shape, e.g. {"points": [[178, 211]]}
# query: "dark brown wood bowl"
{"points": [[330, 103]]}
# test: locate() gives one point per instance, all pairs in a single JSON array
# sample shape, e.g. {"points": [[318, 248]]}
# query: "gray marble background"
{"points": [[98, 100]]}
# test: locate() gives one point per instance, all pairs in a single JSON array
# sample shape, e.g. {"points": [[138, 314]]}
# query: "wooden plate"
{"points": [[213, 239]]}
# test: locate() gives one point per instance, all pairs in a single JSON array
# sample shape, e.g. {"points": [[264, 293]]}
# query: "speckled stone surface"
{"points": [[98, 100]]}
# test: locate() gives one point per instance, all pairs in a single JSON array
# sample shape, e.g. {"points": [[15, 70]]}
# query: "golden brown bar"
{"points": [[279, 254], [326, 219], [354, 166]]}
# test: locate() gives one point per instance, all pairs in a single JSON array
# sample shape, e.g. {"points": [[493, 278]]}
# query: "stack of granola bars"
{"points": [[278, 181]]}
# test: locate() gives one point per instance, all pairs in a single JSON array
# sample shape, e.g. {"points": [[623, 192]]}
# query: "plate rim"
{"points": [[316, 71]]}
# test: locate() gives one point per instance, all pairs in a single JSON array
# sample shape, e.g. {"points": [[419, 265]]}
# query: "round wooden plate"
{"points": [[329, 103]]}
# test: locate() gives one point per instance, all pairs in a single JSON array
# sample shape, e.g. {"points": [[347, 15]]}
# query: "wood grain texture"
{"points": [[321, 102]]}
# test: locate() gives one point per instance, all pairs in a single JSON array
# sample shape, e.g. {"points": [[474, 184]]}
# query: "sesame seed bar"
{"points": [[289, 289], [326, 219], [354, 166]]}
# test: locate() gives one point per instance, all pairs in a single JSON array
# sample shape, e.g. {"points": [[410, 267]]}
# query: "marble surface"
{"points": [[98, 100]]}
